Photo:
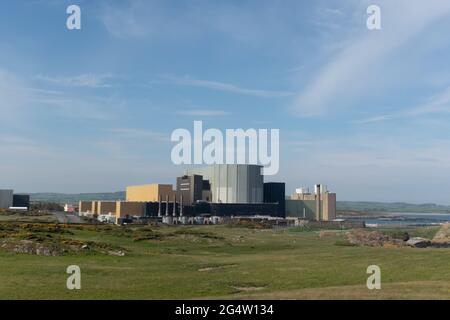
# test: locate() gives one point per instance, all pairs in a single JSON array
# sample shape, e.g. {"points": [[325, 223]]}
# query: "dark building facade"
{"points": [[152, 208], [215, 209], [21, 200], [191, 187], [275, 192], [244, 209]]}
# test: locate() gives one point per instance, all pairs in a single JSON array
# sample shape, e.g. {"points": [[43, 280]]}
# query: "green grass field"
{"points": [[210, 262]]}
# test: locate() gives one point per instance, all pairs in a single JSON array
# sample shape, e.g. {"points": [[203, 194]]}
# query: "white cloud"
{"points": [[84, 80], [249, 23], [134, 133], [78, 107], [156, 19], [227, 87], [374, 119], [204, 113], [439, 103], [354, 71], [371, 167], [13, 95]]}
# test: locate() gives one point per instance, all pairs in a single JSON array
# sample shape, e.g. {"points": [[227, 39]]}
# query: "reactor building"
{"points": [[233, 183]]}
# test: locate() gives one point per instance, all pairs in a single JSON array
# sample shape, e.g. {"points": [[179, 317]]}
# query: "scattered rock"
{"points": [[418, 242], [32, 247], [117, 253]]}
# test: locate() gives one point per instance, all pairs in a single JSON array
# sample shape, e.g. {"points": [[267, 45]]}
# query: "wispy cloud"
{"points": [[13, 97], [248, 23], [203, 113], [226, 87], [374, 119], [135, 133], [78, 107], [350, 73], [439, 103], [14, 145], [84, 80]]}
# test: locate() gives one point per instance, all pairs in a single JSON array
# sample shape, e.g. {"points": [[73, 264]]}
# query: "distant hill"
{"points": [[360, 206], [75, 198], [378, 207]]}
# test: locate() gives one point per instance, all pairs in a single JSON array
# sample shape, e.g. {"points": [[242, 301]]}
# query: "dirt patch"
{"points": [[249, 224], [248, 289], [186, 232], [49, 240], [362, 237], [57, 247], [216, 267], [443, 235]]}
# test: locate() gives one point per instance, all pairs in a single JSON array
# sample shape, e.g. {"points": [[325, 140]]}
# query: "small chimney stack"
{"points": [[167, 205], [181, 206], [318, 198], [159, 206], [174, 206]]}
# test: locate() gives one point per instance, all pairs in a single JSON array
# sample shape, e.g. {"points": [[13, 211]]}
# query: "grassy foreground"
{"points": [[222, 262]]}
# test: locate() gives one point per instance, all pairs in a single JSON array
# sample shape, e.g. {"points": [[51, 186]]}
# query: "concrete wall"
{"points": [[128, 208], [149, 192], [106, 207], [6, 199]]}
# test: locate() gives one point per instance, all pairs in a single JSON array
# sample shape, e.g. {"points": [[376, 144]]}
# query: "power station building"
{"points": [[320, 205], [218, 190], [10, 200], [233, 183]]}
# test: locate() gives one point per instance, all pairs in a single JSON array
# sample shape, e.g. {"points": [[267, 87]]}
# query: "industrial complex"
{"points": [[213, 193], [10, 200]]}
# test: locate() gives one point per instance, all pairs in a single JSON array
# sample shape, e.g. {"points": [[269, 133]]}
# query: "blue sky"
{"points": [[364, 112]]}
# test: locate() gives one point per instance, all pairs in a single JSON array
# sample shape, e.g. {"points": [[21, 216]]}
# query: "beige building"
{"points": [[149, 192], [328, 206], [305, 204]]}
